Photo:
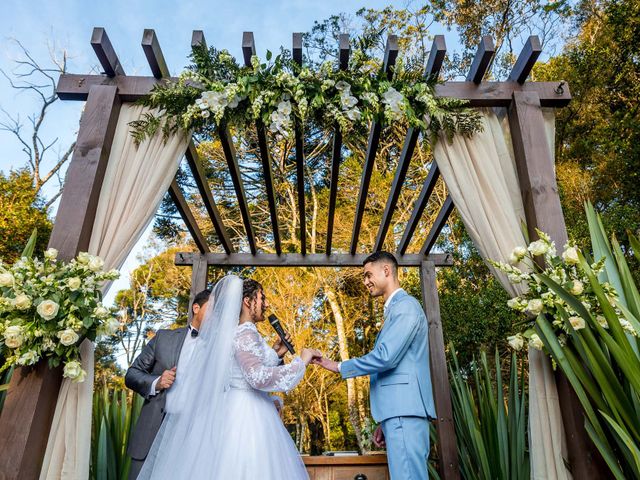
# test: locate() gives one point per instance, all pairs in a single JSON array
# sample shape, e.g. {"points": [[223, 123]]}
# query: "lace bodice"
{"points": [[256, 364]]}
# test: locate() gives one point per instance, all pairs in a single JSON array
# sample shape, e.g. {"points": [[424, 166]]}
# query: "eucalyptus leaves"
{"points": [[215, 91]]}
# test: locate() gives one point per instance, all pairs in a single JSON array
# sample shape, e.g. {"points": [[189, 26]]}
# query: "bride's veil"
{"points": [[193, 428]]}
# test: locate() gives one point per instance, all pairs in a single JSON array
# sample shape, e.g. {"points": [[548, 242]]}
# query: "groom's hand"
{"points": [[378, 438], [327, 363], [166, 379]]}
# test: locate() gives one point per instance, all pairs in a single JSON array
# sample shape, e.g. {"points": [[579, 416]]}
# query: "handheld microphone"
{"points": [[275, 323]]}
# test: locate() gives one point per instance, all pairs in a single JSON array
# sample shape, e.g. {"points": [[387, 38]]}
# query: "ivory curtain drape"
{"points": [[135, 181], [481, 177]]}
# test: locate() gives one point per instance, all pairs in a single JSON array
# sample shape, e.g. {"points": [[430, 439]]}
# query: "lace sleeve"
{"points": [[249, 353]]}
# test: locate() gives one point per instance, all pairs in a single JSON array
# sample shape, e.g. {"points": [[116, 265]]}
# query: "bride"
{"points": [[222, 423]]}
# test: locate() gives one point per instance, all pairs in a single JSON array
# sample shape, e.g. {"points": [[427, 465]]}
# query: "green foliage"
{"points": [[21, 211]]}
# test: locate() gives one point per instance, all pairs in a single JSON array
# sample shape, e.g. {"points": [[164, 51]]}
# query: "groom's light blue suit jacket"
{"points": [[398, 365]]}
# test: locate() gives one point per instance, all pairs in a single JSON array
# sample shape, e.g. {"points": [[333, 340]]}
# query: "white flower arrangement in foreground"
{"points": [[48, 307], [564, 291]]}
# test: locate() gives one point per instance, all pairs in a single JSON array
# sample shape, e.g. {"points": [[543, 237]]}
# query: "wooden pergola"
{"points": [[28, 410]]}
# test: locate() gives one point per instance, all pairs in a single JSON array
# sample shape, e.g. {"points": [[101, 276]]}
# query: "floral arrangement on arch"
{"points": [[566, 292], [215, 91], [48, 307]]}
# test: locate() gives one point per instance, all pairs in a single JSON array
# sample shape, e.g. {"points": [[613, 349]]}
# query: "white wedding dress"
{"points": [[222, 423]]}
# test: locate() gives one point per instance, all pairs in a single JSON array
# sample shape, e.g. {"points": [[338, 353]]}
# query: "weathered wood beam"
{"points": [[105, 52], [187, 216], [299, 260], [418, 208], [197, 38], [448, 467], [487, 94], [195, 165], [248, 50], [336, 151], [434, 64], [536, 175], [526, 60], [234, 170], [438, 225], [481, 61], [390, 56], [153, 52], [299, 139], [198, 279]]}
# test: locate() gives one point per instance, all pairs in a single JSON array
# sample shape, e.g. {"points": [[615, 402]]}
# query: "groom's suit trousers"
{"points": [[407, 440]]}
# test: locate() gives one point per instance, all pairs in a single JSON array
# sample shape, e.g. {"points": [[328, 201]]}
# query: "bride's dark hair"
{"points": [[250, 288]]}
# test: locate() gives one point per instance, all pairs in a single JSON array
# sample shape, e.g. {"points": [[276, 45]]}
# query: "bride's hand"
{"points": [[308, 354]]}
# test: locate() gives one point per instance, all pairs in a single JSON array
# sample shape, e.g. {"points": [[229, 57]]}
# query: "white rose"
{"points": [[48, 309], [570, 256], [96, 264], [74, 283], [22, 302], [51, 253], [100, 311], [13, 336], [68, 337], [535, 306], [6, 279], [577, 287], [577, 322], [539, 247], [535, 342], [516, 341], [84, 257], [109, 327], [517, 254], [73, 370], [513, 303], [28, 358]]}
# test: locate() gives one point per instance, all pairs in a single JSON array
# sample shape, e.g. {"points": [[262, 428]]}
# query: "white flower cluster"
{"points": [[281, 119], [393, 104], [215, 102], [348, 102]]}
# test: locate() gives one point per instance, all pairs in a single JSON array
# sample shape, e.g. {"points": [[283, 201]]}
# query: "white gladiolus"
{"points": [[48, 309], [535, 306], [73, 370], [577, 287], [28, 358], [68, 337], [519, 252], [577, 323], [22, 302], [13, 337], [570, 256], [516, 341], [73, 283], [6, 279], [602, 321], [343, 86], [535, 342], [51, 253], [538, 247]]}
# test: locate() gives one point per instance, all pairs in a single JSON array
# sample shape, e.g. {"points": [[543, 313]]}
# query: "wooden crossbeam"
{"points": [[481, 61], [189, 220], [248, 50], [234, 170], [390, 56], [336, 153], [73, 86], [153, 52], [526, 60], [434, 64], [438, 225], [299, 139], [105, 52], [418, 208], [299, 260]]}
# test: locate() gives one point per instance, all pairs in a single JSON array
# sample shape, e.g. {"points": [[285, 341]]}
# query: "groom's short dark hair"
{"points": [[250, 288], [384, 257], [202, 297]]}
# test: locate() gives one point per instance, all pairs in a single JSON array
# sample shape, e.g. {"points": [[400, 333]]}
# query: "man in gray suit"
{"points": [[153, 374]]}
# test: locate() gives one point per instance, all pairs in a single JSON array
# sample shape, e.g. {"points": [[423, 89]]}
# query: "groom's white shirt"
{"points": [[386, 303], [183, 361]]}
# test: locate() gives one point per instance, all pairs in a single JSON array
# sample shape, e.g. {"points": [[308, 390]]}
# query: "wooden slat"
{"points": [[195, 165], [299, 139], [105, 52], [536, 175], [448, 466], [390, 55], [336, 151], [299, 260], [153, 52], [438, 225], [434, 64], [234, 170], [198, 279], [526, 60], [248, 50], [185, 212], [481, 61], [488, 94], [418, 208], [197, 38]]}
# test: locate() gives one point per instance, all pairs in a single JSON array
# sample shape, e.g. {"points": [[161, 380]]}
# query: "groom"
{"points": [[398, 366], [153, 374]]}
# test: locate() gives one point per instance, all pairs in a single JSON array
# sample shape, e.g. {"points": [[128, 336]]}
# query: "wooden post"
{"points": [[33, 391], [447, 449], [198, 278], [536, 174]]}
